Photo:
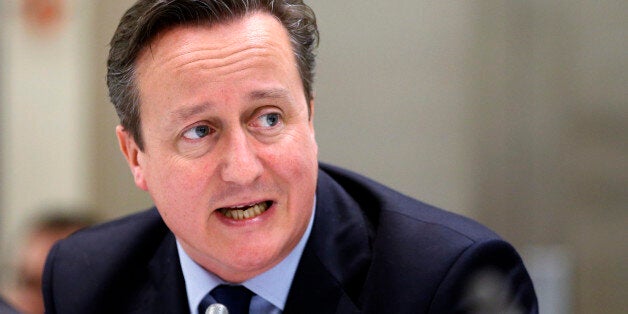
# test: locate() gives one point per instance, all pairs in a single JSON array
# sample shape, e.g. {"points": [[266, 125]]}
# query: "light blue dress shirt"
{"points": [[271, 287]]}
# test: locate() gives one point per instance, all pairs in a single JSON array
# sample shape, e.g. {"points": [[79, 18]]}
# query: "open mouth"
{"points": [[245, 212]]}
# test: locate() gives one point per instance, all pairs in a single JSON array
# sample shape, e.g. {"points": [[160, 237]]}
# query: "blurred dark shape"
{"points": [[488, 292], [26, 295], [5, 308]]}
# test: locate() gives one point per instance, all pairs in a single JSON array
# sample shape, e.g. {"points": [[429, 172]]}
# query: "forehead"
{"points": [[213, 67], [183, 45]]}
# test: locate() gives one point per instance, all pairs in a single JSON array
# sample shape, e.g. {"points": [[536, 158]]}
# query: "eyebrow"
{"points": [[184, 113], [273, 93]]}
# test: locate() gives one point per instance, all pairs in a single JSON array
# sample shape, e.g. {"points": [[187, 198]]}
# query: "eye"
{"points": [[197, 132], [269, 120]]}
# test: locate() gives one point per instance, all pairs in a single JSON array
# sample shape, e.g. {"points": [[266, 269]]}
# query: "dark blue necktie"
{"points": [[236, 298]]}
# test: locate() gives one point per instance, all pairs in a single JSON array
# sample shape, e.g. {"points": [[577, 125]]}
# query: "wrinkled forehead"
{"points": [[228, 30], [187, 43]]}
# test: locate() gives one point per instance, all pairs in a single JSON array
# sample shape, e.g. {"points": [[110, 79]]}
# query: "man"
{"points": [[216, 106]]}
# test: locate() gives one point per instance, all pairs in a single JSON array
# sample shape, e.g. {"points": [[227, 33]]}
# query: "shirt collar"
{"points": [[272, 285]]}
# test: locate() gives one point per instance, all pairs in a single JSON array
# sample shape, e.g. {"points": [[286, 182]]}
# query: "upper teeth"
{"points": [[245, 212]]}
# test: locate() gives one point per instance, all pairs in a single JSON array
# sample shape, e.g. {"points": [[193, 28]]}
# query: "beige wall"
{"points": [[552, 110], [46, 96], [511, 112], [391, 95]]}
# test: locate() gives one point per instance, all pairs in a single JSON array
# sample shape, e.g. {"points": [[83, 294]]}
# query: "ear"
{"points": [[311, 123], [132, 153], [310, 111]]}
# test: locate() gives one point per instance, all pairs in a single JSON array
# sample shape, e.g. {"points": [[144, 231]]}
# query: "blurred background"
{"points": [[512, 112]]}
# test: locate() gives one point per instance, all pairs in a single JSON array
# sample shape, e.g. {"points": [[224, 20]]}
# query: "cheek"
{"points": [[293, 158], [176, 185], [179, 195], [297, 165]]}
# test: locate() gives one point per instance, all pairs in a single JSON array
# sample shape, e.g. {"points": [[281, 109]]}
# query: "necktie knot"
{"points": [[237, 299]]}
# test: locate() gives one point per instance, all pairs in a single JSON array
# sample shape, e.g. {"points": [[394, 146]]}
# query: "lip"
{"points": [[245, 204], [221, 215]]}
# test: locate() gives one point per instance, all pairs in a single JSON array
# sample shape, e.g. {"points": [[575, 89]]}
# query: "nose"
{"points": [[240, 162]]}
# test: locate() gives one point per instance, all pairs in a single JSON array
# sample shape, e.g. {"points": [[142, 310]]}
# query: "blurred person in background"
{"points": [[6, 308], [25, 294]]}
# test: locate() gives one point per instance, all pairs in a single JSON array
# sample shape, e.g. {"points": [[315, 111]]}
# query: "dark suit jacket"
{"points": [[371, 250]]}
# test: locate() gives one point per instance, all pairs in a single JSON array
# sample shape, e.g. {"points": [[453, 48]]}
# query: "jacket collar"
{"points": [[336, 258], [166, 291]]}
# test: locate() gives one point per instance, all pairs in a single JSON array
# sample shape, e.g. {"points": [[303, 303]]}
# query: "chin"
{"points": [[254, 260]]}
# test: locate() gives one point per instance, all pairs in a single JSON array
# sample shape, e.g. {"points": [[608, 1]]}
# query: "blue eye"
{"points": [[270, 120], [197, 132]]}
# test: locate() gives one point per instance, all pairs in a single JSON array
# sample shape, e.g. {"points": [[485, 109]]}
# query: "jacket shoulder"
{"points": [[129, 231], [96, 269], [384, 206], [424, 258]]}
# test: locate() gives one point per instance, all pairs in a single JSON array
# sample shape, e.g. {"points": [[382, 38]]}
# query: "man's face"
{"points": [[227, 134]]}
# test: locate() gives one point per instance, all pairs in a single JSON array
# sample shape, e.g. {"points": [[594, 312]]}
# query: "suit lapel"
{"points": [[314, 290], [335, 261], [165, 293]]}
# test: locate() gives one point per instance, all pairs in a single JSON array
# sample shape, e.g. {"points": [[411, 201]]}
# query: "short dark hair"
{"points": [[146, 18]]}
